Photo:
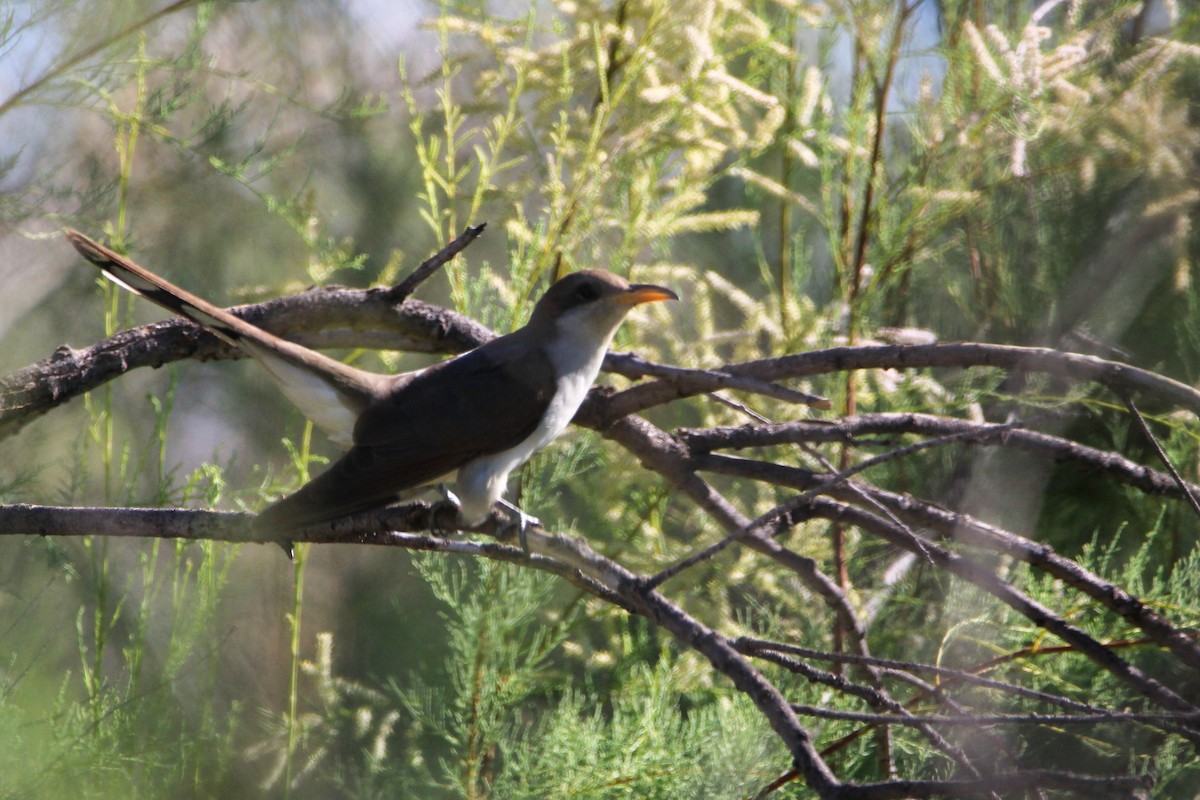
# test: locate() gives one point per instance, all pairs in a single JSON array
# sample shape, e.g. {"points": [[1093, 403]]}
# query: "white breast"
{"points": [[577, 361]]}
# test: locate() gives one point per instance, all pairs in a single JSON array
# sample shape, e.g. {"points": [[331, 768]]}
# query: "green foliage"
{"points": [[506, 723], [643, 741], [137, 714]]}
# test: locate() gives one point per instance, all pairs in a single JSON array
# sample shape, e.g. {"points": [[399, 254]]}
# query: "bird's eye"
{"points": [[587, 292]]}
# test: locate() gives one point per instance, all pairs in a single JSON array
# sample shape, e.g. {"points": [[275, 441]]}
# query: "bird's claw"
{"points": [[522, 521], [451, 499], [516, 517]]}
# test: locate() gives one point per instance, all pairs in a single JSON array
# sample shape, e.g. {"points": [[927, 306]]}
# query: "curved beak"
{"points": [[640, 293]]}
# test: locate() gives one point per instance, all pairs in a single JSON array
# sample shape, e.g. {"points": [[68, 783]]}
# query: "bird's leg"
{"points": [[516, 517], [449, 497], [522, 520]]}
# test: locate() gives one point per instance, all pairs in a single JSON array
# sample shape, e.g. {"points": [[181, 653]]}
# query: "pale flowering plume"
{"points": [[775, 189], [983, 55], [803, 152], [1026, 59], [812, 93], [661, 93], [1018, 164], [1024, 67], [750, 307], [700, 48], [743, 89], [606, 94]]}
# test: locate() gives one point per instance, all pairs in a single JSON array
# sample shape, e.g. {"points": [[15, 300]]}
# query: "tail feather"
{"points": [[142, 282], [330, 393]]}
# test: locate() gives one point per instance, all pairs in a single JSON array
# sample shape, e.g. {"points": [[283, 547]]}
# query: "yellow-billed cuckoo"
{"points": [[481, 414]]}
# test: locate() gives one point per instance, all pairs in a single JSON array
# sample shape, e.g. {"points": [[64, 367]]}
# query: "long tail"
{"points": [[141, 281], [330, 393]]}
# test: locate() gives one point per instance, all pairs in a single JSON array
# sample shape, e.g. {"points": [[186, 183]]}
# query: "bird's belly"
{"points": [[481, 482]]}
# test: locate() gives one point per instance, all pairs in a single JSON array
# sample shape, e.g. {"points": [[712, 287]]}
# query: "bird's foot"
{"points": [[289, 548], [522, 521], [450, 499]]}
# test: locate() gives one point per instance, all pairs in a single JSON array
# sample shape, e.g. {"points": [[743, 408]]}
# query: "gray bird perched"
{"points": [[481, 414]]}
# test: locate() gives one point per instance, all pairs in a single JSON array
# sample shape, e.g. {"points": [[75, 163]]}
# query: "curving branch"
{"points": [[1122, 378], [325, 317], [985, 579], [853, 429], [568, 557]]}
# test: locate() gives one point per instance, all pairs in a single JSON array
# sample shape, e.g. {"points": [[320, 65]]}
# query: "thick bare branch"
{"points": [[341, 317], [353, 315], [960, 527], [660, 453], [987, 580]]}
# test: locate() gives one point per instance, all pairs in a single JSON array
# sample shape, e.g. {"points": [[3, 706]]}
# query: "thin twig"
{"points": [[946, 675], [771, 651], [77, 59], [1007, 785], [1118, 467], [914, 720], [432, 264], [876, 697], [1162, 455], [741, 408], [858, 490]]}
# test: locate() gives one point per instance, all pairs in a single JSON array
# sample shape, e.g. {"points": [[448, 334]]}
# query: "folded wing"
{"points": [[424, 431]]}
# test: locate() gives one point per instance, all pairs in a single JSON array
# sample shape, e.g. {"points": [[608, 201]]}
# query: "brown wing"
{"points": [[482, 402]]}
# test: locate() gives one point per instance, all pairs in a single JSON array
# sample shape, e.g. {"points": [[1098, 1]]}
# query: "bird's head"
{"points": [[591, 304]]}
